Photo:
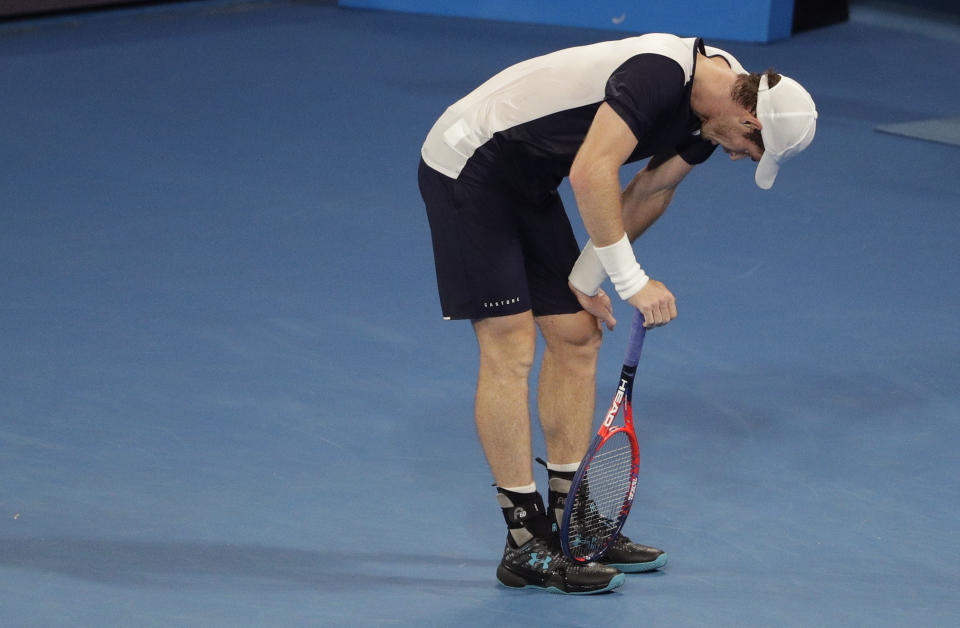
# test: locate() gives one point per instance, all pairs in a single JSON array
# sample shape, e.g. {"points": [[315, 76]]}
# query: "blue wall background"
{"points": [[732, 20]]}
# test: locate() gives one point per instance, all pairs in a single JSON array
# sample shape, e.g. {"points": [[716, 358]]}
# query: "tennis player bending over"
{"points": [[507, 258]]}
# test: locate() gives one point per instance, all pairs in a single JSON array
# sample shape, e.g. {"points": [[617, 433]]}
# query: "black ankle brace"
{"points": [[560, 483], [524, 510]]}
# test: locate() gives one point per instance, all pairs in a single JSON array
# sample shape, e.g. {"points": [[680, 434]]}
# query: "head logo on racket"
{"points": [[615, 406]]}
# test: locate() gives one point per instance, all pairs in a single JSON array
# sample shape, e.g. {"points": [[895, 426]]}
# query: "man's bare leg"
{"points": [[567, 387], [502, 412]]}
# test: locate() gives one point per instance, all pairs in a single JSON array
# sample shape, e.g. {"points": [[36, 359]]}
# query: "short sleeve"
{"points": [[645, 89], [696, 150]]}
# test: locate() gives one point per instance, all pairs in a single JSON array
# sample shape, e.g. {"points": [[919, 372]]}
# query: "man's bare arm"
{"points": [[594, 177], [649, 193]]}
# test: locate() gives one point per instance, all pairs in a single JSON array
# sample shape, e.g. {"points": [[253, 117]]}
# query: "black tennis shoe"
{"points": [[539, 564], [623, 554], [631, 557]]}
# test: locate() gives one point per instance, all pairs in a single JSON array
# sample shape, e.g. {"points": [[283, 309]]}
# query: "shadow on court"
{"points": [[171, 564]]}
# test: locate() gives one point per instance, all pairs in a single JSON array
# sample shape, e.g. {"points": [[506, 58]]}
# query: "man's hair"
{"points": [[744, 93]]}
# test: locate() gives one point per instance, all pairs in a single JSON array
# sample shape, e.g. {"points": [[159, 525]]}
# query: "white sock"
{"points": [[570, 467], [529, 488]]}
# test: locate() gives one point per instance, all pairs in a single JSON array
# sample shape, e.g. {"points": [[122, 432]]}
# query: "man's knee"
{"points": [[507, 343], [575, 335]]}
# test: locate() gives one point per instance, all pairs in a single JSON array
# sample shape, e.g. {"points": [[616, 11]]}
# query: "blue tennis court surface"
{"points": [[227, 397]]}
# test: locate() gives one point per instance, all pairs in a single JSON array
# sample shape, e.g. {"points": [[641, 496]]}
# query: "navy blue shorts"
{"points": [[496, 251]]}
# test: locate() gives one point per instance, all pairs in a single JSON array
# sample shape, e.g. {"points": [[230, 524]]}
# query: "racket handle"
{"points": [[635, 341]]}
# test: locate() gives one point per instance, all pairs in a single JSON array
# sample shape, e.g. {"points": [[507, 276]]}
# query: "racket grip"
{"points": [[635, 341]]}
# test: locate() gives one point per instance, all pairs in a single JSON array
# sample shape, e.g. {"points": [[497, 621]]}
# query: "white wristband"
{"points": [[588, 274], [622, 267]]}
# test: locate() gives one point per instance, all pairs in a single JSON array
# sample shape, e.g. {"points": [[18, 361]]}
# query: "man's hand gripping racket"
{"points": [[603, 488]]}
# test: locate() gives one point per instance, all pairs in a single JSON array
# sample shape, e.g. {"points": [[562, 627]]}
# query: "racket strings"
{"points": [[600, 497]]}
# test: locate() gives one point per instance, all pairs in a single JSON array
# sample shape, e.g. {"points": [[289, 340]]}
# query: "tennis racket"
{"points": [[602, 491]]}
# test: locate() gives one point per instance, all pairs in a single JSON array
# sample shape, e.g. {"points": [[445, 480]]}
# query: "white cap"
{"points": [[789, 120]]}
